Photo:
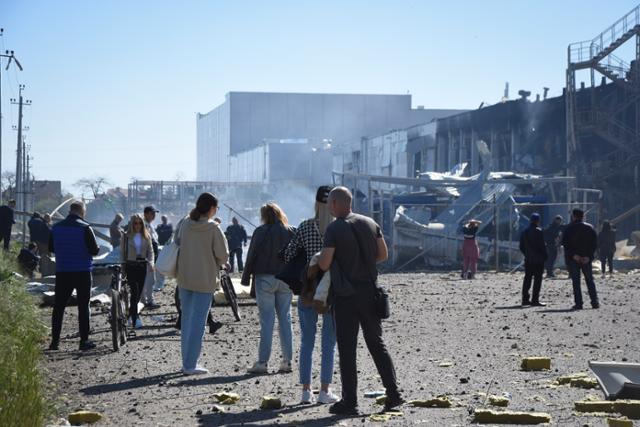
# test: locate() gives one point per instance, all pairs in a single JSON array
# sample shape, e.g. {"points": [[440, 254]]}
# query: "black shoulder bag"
{"points": [[380, 296], [293, 270]]}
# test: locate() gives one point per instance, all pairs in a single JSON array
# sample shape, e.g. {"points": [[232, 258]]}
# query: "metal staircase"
{"points": [[604, 115]]}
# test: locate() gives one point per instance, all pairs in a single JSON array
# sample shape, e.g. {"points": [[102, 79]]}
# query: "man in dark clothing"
{"points": [[73, 242], [28, 259], [237, 238], [580, 242], [165, 231], [115, 231], [355, 243], [38, 229], [535, 254], [551, 237], [6, 222]]}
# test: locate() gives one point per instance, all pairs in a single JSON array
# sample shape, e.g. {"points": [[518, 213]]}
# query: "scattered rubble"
{"points": [[619, 422], [227, 398], [438, 402], [536, 364], [271, 402], [486, 416], [84, 417], [628, 408], [498, 401]]}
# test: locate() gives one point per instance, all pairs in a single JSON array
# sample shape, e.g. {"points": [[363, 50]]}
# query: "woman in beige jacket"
{"points": [[137, 255], [203, 249]]}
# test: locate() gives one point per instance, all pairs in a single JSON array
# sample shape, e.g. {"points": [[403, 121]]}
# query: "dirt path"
{"points": [[476, 326]]}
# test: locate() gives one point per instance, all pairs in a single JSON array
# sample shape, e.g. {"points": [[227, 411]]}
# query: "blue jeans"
{"points": [[308, 321], [274, 297], [195, 307], [574, 272]]}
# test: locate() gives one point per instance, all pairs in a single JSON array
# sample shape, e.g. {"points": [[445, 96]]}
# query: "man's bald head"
{"points": [[340, 201]]}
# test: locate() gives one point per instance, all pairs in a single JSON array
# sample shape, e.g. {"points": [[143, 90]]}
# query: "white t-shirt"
{"points": [[137, 242]]}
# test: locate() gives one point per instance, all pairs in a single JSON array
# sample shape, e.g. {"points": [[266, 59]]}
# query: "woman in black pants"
{"points": [[137, 255]]}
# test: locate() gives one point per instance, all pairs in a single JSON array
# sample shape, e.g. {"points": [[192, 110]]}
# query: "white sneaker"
{"points": [[307, 397], [327, 397], [198, 370], [258, 368], [285, 366]]}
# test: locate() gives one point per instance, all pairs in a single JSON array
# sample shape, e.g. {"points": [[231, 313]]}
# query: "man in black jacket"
{"points": [[237, 238], [535, 254], [580, 242], [6, 222]]}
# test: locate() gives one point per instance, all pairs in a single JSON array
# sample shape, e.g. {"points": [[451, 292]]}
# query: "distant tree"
{"points": [[8, 180], [96, 185]]}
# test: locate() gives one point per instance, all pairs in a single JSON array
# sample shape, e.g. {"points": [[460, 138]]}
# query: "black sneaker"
{"points": [[214, 327], [342, 408], [525, 303], [596, 305], [53, 346], [87, 345], [392, 402], [576, 307], [538, 304]]}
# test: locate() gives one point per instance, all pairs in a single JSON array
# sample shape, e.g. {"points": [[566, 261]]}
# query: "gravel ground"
{"points": [[476, 329]]}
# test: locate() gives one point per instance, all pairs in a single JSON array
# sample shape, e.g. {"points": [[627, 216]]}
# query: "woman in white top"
{"points": [[137, 255]]}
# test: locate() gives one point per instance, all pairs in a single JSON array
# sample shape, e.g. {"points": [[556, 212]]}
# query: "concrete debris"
{"points": [[587, 383], [536, 364], [628, 408], [380, 400], [84, 417], [227, 398], [486, 416], [498, 401], [445, 364], [271, 402], [619, 422], [385, 416], [566, 379], [438, 402], [217, 408]]}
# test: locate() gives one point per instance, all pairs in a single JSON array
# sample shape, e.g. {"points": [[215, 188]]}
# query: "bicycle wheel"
{"points": [[123, 317], [230, 296], [115, 319]]}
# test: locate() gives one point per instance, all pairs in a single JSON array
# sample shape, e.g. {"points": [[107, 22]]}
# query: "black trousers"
{"points": [[176, 300], [5, 236], [552, 253], [532, 271], [66, 282], [351, 314], [604, 259], [587, 270], [136, 274], [236, 253]]}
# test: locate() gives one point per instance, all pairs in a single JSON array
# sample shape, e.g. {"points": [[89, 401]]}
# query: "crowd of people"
{"points": [[337, 287], [344, 246]]}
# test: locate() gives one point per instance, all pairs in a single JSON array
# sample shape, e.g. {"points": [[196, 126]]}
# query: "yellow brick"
{"points": [[439, 402], [84, 417], [628, 408], [486, 416], [566, 379], [594, 406], [535, 363], [270, 402], [498, 401], [619, 422]]}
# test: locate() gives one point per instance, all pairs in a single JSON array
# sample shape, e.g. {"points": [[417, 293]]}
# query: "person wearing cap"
{"points": [[552, 241], [237, 238], [535, 254], [470, 249], [309, 238], [580, 242], [150, 279]]}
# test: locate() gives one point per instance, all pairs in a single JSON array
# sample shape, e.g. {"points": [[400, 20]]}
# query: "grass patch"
{"points": [[23, 398]]}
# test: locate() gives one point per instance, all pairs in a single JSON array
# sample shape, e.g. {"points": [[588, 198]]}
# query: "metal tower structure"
{"points": [[603, 121]]}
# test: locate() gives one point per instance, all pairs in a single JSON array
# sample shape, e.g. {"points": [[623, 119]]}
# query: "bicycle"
{"points": [[229, 293], [119, 312]]}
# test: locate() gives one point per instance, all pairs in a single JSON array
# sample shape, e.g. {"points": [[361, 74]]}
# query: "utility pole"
{"points": [[20, 195], [7, 54]]}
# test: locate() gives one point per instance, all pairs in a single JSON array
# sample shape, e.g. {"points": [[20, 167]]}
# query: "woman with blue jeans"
{"points": [[309, 237], [272, 295], [203, 249]]}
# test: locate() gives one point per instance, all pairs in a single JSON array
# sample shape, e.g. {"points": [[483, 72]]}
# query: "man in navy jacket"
{"points": [[74, 244], [535, 254]]}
